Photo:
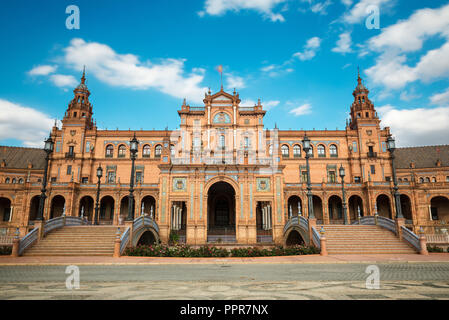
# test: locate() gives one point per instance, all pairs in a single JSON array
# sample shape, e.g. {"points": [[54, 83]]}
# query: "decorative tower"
{"points": [[362, 109], [79, 110]]}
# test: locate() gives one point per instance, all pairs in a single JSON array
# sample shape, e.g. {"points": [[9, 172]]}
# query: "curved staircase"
{"points": [[76, 241], [363, 239]]}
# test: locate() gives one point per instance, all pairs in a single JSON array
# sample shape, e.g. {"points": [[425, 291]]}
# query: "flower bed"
{"points": [[161, 250]]}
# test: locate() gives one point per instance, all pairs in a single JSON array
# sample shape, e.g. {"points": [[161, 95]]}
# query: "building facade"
{"points": [[222, 176]]}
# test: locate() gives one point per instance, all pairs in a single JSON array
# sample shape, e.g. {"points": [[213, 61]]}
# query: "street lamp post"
{"points": [[397, 197], [48, 148], [306, 147], [342, 176], [133, 147], [99, 175]]}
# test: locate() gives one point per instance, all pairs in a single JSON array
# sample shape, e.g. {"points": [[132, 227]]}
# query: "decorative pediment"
{"points": [[221, 98]]}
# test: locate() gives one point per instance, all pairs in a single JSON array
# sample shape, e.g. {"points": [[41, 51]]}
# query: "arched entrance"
{"points": [[5, 209], [57, 207], [318, 209], [355, 204], [383, 206], [147, 239], [86, 209], [294, 207], [335, 209], [439, 208], [221, 212], [294, 238], [406, 207], [107, 205], [148, 206], [124, 204], [34, 208]]}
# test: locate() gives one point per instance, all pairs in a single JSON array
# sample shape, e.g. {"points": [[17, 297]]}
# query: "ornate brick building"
{"points": [[222, 175]]}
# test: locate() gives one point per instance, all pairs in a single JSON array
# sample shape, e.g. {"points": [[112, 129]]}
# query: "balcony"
{"points": [[70, 155], [372, 154]]}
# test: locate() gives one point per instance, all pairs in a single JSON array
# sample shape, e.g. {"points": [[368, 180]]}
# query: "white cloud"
{"points": [[358, 12], [62, 80], [415, 127], [126, 70], [347, 2], [441, 98], [301, 110], [343, 43], [310, 49], [23, 123], [408, 36], [234, 82], [265, 7], [266, 105], [42, 70], [321, 7]]}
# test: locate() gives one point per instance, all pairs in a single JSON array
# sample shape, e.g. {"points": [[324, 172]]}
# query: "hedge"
{"points": [[161, 250]]}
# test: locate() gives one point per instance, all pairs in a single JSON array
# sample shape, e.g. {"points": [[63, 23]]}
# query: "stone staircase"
{"points": [[76, 241], [363, 239]]}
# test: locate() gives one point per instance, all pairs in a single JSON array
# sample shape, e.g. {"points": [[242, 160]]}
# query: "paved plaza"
{"points": [[223, 280]]}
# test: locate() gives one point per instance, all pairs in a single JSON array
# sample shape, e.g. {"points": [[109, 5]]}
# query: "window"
{"points": [[421, 180], [332, 177], [6, 214], [222, 142], [21, 181], [158, 151], [357, 179], [447, 179], [427, 179], [53, 179], [270, 150], [7, 180], [138, 176], [400, 179], [311, 151], [84, 180], [354, 146], [246, 142], [333, 151], [405, 179], [71, 150], [321, 151], [121, 151], [69, 169], [304, 176], [14, 180], [296, 151], [285, 151], [172, 151], [434, 179], [196, 142], [146, 151], [373, 169], [388, 179], [111, 176], [74, 114], [87, 146], [109, 151]]}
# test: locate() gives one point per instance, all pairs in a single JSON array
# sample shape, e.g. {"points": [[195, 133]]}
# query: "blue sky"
{"points": [[299, 57]]}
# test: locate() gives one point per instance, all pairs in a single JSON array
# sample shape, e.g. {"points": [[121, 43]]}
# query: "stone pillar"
{"points": [[399, 223], [117, 244], [423, 243], [323, 245], [39, 224], [15, 247], [312, 223]]}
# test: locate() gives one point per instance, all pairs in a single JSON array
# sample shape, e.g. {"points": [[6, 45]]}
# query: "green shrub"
{"points": [[434, 249], [5, 250], [181, 250], [173, 238]]}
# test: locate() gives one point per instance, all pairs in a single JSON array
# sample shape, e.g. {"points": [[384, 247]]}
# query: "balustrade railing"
{"points": [[387, 224], [316, 238], [140, 222], [124, 239], [297, 220], [28, 240], [411, 238]]}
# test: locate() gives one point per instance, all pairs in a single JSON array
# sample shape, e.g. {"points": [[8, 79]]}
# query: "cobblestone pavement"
{"points": [[286, 281]]}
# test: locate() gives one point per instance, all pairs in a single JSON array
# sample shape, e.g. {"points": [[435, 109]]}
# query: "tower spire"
{"points": [[83, 78]]}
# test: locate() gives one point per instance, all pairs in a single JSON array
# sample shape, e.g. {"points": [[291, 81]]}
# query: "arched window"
{"points": [[285, 151], [13, 180], [146, 151], [296, 151], [321, 151], [222, 142], [7, 180], [333, 150], [121, 151], [270, 150], [311, 151], [427, 179], [421, 180], [434, 179], [21, 181], [109, 151], [158, 151]]}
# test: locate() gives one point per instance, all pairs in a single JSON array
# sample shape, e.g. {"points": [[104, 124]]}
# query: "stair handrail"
{"points": [[145, 221], [316, 238], [124, 239], [28, 240], [298, 220], [60, 222], [387, 224], [368, 220], [411, 237]]}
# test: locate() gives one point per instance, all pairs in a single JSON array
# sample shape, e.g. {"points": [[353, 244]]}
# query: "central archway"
{"points": [[221, 212]]}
